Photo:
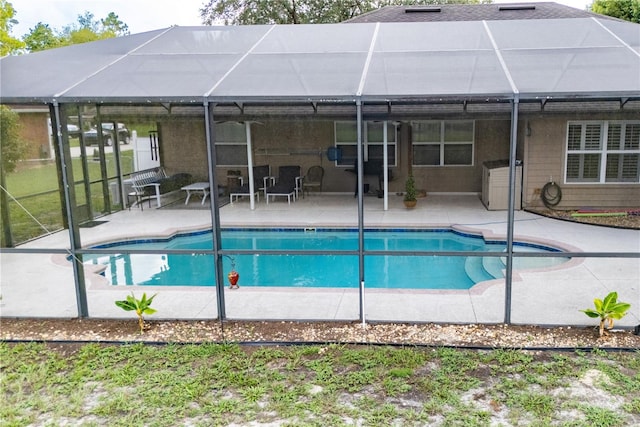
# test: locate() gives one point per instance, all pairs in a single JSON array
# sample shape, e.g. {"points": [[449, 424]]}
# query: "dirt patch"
{"points": [[181, 331]]}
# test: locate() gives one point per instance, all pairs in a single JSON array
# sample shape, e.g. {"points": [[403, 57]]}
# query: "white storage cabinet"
{"points": [[495, 185]]}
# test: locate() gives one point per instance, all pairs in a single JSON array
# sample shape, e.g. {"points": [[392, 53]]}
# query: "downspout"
{"points": [[209, 131], [359, 179], [510, 216], [64, 154]]}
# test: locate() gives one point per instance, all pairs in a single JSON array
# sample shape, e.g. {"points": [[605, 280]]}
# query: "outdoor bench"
{"points": [[154, 183]]}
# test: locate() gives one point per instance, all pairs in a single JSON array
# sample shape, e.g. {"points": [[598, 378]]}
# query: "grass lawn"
{"points": [[39, 207], [332, 385]]}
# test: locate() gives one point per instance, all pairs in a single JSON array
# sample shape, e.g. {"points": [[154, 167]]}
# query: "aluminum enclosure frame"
{"points": [[359, 98]]}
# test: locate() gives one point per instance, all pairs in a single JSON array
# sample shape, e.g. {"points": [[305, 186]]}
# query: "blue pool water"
{"points": [[317, 271]]}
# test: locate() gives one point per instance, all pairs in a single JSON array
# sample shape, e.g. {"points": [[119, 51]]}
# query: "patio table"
{"points": [[196, 187]]}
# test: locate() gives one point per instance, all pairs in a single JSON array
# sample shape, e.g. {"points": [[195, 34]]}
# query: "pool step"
{"points": [[494, 266], [474, 268]]}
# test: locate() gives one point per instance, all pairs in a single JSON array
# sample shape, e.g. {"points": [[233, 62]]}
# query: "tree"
{"points": [[114, 26], [12, 148], [41, 37], [87, 29], [248, 12], [86, 21], [629, 10], [8, 44]]}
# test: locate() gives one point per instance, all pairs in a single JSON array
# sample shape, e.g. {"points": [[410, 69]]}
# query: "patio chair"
{"points": [[313, 179], [260, 177], [287, 184], [138, 197]]}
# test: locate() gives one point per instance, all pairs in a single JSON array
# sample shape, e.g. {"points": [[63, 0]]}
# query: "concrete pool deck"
{"points": [[41, 285]]}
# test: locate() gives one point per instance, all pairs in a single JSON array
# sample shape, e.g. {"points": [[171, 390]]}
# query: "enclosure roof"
{"points": [[547, 58]]}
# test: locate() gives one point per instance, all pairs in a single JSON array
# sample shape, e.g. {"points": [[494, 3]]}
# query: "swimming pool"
{"points": [[318, 271]]}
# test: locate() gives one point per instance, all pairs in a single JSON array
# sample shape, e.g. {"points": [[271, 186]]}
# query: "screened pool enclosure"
{"points": [[288, 88]]}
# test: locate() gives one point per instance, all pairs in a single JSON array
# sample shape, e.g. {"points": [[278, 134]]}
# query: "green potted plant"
{"points": [[410, 199]]}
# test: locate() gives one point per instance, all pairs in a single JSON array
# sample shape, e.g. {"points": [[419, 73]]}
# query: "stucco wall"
{"points": [[545, 150]]}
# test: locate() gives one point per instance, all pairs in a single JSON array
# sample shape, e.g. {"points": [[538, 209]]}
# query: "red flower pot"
{"points": [[233, 277]]}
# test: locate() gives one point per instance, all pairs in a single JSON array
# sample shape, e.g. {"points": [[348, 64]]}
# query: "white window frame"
{"points": [[442, 143], [603, 151], [392, 142], [220, 141]]}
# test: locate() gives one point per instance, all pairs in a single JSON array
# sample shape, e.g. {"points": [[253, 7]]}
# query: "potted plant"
{"points": [[410, 192]]}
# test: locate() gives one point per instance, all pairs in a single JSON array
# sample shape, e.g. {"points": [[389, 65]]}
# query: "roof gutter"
{"points": [[336, 99]]}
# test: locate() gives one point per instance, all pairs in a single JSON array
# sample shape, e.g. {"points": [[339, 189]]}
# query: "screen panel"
{"points": [[433, 73]]}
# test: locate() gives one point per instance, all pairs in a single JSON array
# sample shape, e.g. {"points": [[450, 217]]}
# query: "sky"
{"points": [[139, 15]]}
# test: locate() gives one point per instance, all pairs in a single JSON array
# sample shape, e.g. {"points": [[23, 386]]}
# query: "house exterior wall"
{"points": [[491, 143], [299, 142], [34, 132], [183, 147], [545, 154], [276, 143], [304, 142]]}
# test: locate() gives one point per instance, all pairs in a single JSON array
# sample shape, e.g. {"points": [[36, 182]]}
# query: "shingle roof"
{"points": [[473, 12]]}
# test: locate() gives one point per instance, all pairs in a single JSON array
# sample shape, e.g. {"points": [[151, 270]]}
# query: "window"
{"points": [[231, 144], [346, 134], [603, 152], [442, 142]]}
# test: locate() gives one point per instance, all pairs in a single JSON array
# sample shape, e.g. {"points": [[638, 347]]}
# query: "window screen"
{"points": [[231, 144], [443, 142]]}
